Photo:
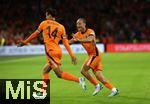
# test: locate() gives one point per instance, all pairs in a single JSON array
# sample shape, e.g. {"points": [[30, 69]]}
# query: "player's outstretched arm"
{"points": [[86, 39], [67, 46], [71, 41], [31, 37]]}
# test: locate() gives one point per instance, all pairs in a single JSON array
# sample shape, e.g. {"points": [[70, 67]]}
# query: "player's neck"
{"points": [[84, 30]]}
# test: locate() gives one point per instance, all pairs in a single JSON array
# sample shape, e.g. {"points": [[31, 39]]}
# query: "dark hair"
{"points": [[51, 11], [83, 19]]}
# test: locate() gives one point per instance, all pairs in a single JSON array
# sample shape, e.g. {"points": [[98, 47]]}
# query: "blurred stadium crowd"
{"points": [[114, 21]]}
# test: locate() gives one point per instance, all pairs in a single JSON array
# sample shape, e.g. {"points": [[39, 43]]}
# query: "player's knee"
{"points": [[82, 71], [103, 81]]}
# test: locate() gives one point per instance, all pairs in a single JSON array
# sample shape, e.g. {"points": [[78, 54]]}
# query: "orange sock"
{"points": [[93, 81], [45, 79], [69, 77], [46, 76], [108, 85]]}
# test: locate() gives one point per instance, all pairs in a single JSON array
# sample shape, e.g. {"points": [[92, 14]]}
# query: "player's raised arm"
{"points": [[31, 37], [71, 41]]}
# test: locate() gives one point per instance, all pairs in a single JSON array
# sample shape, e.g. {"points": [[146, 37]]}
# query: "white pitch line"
{"points": [[16, 60]]}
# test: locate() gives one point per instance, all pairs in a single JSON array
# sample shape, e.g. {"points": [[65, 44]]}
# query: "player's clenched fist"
{"points": [[20, 44]]}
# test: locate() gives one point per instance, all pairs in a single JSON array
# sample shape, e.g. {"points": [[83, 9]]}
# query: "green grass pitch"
{"points": [[130, 72]]}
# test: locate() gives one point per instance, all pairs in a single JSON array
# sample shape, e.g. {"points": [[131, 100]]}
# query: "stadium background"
{"points": [[116, 22]]}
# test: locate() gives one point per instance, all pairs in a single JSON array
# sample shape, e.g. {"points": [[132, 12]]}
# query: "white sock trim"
{"points": [[97, 85], [114, 89]]}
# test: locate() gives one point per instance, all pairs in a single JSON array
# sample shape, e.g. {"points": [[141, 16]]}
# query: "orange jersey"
{"points": [[90, 47], [52, 33]]}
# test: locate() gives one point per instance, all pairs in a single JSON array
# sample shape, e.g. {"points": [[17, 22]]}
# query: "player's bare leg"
{"points": [[107, 84], [69, 77], [85, 72], [46, 70]]}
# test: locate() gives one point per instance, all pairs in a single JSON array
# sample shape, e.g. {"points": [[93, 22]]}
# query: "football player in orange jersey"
{"points": [[52, 33], [86, 37]]}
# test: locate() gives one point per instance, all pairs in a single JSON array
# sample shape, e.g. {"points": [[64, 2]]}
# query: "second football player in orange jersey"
{"points": [[87, 38], [53, 32]]}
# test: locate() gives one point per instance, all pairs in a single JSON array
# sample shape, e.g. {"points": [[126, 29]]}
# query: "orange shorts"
{"points": [[94, 62], [53, 58]]}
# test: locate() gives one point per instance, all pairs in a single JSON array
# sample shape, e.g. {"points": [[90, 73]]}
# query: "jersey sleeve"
{"points": [[40, 28], [63, 36]]}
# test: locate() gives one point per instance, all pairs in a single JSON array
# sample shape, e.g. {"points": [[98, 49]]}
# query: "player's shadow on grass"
{"points": [[134, 98]]}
